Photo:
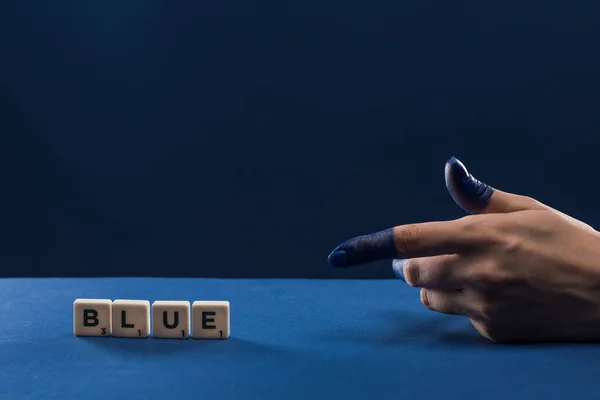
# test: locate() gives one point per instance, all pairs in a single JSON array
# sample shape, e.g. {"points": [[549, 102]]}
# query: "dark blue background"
{"points": [[215, 138]]}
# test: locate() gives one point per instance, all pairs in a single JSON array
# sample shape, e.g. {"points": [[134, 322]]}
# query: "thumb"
{"points": [[477, 197]]}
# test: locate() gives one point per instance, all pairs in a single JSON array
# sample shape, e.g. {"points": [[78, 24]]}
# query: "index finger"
{"points": [[406, 241]]}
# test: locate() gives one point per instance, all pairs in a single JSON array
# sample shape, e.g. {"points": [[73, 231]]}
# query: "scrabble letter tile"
{"points": [[92, 317], [210, 320], [171, 319], [131, 318]]}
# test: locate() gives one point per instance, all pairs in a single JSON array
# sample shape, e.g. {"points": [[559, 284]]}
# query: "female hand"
{"points": [[518, 269]]}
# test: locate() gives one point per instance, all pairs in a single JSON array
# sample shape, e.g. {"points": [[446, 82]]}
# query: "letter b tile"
{"points": [[92, 317]]}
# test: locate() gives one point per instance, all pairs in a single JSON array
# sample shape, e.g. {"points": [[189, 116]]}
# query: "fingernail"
{"points": [[398, 270], [468, 192], [337, 258]]}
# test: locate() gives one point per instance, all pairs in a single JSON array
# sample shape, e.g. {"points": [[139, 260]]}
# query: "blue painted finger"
{"points": [[364, 249], [406, 241]]}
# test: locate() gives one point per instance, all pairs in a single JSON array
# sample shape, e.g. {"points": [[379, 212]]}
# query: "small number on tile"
{"points": [[210, 320], [171, 319], [131, 318], [92, 317]]}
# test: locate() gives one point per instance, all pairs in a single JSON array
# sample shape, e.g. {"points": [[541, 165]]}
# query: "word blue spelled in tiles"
{"points": [[163, 319]]}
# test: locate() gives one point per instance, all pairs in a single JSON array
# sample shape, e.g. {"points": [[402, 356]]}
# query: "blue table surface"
{"points": [[290, 339]]}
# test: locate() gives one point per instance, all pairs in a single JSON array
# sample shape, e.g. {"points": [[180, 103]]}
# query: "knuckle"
{"points": [[484, 227], [408, 238], [412, 274], [487, 311], [510, 243], [469, 223], [488, 274], [489, 279], [492, 309], [530, 202], [426, 299]]}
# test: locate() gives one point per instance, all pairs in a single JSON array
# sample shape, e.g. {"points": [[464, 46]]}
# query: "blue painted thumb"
{"points": [[469, 193], [477, 197]]}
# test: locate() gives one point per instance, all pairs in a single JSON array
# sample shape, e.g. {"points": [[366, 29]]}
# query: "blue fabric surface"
{"points": [[291, 339]]}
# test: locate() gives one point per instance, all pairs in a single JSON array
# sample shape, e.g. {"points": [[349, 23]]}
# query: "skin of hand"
{"points": [[521, 271]]}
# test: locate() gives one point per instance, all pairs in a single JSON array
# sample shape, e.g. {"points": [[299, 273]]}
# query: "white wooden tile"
{"points": [[131, 318], [171, 319], [92, 317], [210, 320]]}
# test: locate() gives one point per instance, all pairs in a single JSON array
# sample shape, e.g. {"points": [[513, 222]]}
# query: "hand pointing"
{"points": [[520, 270]]}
